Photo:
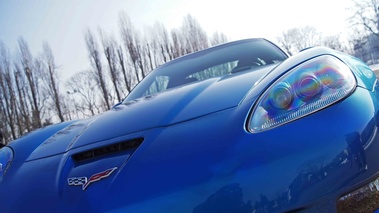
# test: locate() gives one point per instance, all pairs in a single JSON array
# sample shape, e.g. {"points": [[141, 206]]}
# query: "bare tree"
{"points": [[20, 83], [365, 14], [218, 38], [126, 73], [333, 42], [195, 37], [109, 49], [32, 78], [190, 37], [132, 44], [95, 58], [365, 23], [84, 93], [150, 61], [162, 43], [296, 39], [178, 43], [7, 98], [50, 79], [29, 87]]}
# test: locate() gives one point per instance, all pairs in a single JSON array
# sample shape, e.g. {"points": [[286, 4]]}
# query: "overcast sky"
{"points": [[62, 23]]}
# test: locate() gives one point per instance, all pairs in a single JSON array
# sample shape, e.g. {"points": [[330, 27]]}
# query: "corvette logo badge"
{"points": [[84, 182]]}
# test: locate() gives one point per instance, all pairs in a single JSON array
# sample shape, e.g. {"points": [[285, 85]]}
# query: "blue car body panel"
{"points": [[196, 154], [163, 109]]}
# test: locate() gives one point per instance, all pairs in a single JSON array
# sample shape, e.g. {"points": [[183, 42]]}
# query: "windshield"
{"points": [[217, 61]]}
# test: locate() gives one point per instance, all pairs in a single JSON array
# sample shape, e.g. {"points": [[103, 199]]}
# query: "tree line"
{"points": [[29, 90], [32, 94], [363, 41]]}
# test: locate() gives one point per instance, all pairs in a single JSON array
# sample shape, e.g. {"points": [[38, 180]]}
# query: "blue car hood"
{"points": [[163, 109]]}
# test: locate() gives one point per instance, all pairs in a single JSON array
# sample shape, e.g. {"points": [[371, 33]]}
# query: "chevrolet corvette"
{"points": [[235, 128]]}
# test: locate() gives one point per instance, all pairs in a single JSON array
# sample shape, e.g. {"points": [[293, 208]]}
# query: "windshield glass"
{"points": [[217, 61]]}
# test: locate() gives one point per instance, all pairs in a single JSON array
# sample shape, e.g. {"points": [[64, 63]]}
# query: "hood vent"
{"points": [[107, 150]]}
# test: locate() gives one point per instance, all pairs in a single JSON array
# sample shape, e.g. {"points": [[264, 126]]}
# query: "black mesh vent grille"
{"points": [[106, 150]]}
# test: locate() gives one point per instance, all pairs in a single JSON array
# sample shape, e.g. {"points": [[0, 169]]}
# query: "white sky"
{"points": [[62, 23]]}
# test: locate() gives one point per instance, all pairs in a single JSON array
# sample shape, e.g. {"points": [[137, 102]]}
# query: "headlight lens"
{"points": [[305, 89], [6, 158]]}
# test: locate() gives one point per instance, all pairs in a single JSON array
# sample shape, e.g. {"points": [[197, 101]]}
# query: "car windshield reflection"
{"points": [[218, 61]]}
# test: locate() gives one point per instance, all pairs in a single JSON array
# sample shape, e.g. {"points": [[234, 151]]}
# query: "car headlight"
{"points": [[6, 158], [307, 88]]}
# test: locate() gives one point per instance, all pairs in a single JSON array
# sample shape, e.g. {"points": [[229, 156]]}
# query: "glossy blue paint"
{"points": [[197, 155], [365, 76], [159, 110]]}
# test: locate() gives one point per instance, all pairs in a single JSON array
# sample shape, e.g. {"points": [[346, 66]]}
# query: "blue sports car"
{"points": [[236, 128]]}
